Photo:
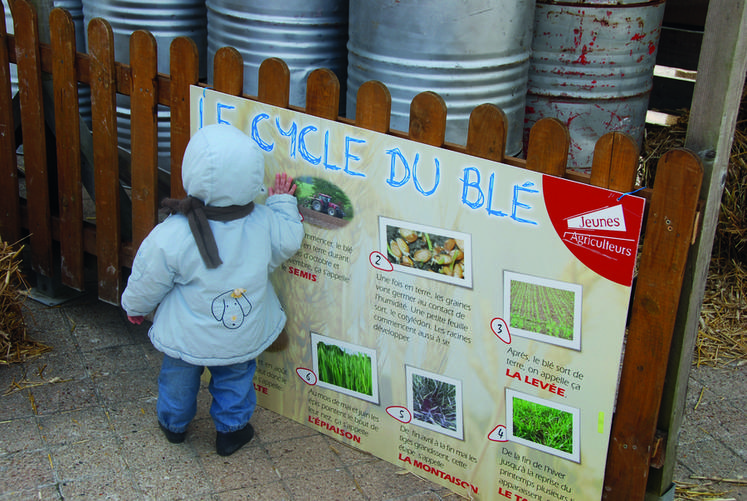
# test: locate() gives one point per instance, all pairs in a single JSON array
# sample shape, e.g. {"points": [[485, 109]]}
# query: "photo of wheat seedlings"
{"points": [[435, 401], [543, 309], [345, 367], [543, 425]]}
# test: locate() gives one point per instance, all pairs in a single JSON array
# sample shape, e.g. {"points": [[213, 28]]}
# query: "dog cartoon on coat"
{"points": [[231, 308]]}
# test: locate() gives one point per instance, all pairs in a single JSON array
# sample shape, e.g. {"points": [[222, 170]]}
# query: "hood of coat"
{"points": [[222, 166]]}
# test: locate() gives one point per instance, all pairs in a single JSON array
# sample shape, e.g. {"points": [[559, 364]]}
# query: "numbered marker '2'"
{"points": [[401, 414], [498, 434], [307, 375], [380, 262], [500, 329]]}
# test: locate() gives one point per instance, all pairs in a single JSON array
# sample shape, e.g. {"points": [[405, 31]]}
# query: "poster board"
{"points": [[460, 318]]}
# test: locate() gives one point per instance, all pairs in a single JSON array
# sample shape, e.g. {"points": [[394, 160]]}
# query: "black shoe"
{"points": [[228, 443], [174, 438]]}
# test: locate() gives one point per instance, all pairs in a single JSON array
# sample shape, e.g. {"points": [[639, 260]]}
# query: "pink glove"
{"points": [[137, 320]]}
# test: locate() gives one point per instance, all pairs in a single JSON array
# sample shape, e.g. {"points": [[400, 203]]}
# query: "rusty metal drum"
{"points": [[592, 67], [306, 34], [470, 52], [165, 20]]}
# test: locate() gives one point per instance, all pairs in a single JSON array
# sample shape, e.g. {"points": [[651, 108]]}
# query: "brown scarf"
{"points": [[197, 215]]}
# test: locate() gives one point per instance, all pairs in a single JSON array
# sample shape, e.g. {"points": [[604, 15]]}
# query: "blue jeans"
{"points": [[231, 386]]}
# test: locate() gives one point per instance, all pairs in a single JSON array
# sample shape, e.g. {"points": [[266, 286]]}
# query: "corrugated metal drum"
{"points": [[165, 20], [9, 30], [592, 67], [306, 34], [470, 52]]}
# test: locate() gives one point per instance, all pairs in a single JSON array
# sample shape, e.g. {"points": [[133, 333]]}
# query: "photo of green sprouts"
{"points": [[434, 402], [543, 425], [541, 309], [338, 367]]}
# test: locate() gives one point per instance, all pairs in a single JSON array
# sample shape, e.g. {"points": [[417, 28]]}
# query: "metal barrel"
{"points": [[306, 34], [165, 20], [470, 52], [592, 67], [10, 30]]}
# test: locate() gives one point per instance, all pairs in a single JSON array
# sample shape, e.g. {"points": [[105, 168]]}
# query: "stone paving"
{"points": [[79, 423]]}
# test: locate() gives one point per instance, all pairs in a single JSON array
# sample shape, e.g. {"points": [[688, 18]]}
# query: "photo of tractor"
{"points": [[321, 202]]}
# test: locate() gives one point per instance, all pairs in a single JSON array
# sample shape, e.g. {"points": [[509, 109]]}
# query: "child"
{"points": [[207, 269]]}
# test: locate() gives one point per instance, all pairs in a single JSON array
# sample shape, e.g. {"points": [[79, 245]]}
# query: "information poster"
{"points": [[460, 318]]}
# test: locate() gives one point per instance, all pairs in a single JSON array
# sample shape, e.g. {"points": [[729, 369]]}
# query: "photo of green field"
{"points": [[338, 367], [542, 309], [543, 425]]}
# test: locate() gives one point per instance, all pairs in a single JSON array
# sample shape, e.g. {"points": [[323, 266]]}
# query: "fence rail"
{"points": [[44, 118]]}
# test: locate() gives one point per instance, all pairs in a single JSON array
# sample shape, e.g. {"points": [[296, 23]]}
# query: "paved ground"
{"points": [[79, 422]]}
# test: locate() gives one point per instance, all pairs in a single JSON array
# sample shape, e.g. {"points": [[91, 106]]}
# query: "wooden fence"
{"points": [[52, 209]]}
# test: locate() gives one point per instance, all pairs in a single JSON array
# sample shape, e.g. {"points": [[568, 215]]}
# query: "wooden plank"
{"points": [[228, 71], [373, 106], [486, 133], [273, 86], [721, 71], [547, 148], [10, 206], [428, 119], [106, 162], [323, 94], [67, 131], [669, 225], [615, 162], [34, 136], [185, 71], [144, 134]]}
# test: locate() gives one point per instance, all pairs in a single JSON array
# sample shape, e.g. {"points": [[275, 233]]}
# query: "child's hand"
{"points": [[137, 320], [283, 184]]}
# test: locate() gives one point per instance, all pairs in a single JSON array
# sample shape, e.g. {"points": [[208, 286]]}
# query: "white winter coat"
{"points": [[231, 313]]}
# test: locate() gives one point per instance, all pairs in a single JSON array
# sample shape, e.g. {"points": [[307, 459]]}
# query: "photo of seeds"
{"points": [[543, 425], [345, 368], [424, 251], [435, 401]]}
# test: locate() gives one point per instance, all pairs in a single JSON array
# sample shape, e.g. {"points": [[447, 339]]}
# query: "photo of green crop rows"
{"points": [[351, 371], [543, 425], [542, 309]]}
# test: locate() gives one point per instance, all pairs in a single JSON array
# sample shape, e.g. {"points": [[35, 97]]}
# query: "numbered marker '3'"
{"points": [[500, 329]]}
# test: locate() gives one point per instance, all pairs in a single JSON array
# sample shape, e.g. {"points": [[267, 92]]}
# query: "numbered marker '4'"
{"points": [[401, 414], [306, 375], [498, 434], [380, 262], [500, 329]]}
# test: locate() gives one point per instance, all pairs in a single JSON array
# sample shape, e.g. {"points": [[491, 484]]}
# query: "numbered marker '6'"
{"points": [[307, 375], [498, 434], [401, 414], [380, 262], [500, 329]]}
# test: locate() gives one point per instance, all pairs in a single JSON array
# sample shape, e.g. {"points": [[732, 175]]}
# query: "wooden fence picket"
{"points": [[373, 106], [144, 134], [67, 133], [228, 71], [34, 137], [615, 162], [323, 94], [185, 71], [428, 119], [10, 201], [273, 84], [669, 227], [487, 132], [105, 158], [548, 146]]}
